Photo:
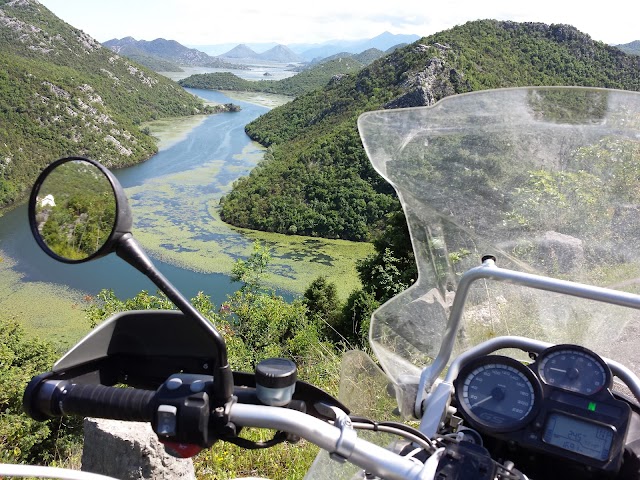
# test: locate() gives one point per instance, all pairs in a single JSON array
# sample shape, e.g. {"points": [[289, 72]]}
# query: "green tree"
{"points": [[267, 325], [392, 268], [356, 318], [22, 439], [323, 306], [252, 271]]}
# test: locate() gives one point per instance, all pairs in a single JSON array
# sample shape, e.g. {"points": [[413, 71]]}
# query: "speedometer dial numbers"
{"points": [[498, 393], [574, 368]]}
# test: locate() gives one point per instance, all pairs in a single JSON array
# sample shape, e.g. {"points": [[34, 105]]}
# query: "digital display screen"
{"points": [[580, 436]]}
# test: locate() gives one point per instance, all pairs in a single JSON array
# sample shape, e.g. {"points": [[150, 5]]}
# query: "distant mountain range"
{"points": [[164, 55], [169, 55], [366, 57], [383, 42], [279, 53], [308, 51]]}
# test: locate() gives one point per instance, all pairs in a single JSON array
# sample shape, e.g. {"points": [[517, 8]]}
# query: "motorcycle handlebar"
{"points": [[339, 441], [55, 397], [127, 404]]}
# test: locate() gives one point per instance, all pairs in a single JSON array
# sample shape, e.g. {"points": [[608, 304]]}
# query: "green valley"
{"points": [[313, 210]]}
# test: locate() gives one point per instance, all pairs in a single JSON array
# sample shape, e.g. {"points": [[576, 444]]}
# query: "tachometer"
{"points": [[573, 368], [497, 393]]}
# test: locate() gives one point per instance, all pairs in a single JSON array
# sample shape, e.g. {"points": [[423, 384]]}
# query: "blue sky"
{"points": [[202, 22]]}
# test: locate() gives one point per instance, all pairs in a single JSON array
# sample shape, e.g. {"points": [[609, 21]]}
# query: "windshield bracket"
{"points": [[348, 436]]}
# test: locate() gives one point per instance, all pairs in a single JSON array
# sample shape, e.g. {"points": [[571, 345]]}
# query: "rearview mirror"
{"points": [[77, 210]]}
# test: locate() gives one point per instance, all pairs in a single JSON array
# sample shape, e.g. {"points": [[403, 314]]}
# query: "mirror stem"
{"points": [[129, 250]]}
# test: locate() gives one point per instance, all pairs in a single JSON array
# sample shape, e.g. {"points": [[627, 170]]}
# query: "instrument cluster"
{"points": [[560, 404]]}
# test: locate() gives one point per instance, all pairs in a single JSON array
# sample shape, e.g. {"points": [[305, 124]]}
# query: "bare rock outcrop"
{"points": [[436, 81]]}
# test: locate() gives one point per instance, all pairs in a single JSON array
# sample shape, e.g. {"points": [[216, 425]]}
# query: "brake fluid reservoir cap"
{"points": [[276, 381]]}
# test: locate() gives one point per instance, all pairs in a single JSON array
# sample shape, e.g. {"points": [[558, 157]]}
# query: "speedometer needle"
{"points": [[557, 370], [485, 399]]}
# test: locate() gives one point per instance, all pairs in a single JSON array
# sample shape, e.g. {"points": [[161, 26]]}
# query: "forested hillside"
{"points": [[631, 48], [62, 93], [316, 179], [305, 81], [366, 57]]}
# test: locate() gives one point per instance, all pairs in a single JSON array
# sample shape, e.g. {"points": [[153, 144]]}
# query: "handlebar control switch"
{"points": [[183, 408], [276, 381], [167, 422]]}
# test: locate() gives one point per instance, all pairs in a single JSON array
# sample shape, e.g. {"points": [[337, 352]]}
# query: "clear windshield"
{"points": [[545, 179]]}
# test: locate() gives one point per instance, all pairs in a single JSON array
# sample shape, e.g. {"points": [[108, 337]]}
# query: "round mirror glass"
{"points": [[74, 209]]}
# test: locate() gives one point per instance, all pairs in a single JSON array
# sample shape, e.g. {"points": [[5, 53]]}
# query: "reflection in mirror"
{"points": [[75, 210]]}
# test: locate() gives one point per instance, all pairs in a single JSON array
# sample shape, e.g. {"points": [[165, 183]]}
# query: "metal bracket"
{"points": [[348, 436]]}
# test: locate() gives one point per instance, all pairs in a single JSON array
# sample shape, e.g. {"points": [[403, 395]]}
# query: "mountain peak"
{"points": [[281, 54], [240, 51]]}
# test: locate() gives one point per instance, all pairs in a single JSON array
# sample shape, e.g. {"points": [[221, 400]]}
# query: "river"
{"points": [[217, 137], [174, 198]]}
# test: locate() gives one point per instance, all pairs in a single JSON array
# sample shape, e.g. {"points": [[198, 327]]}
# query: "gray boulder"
{"points": [[566, 253], [129, 451]]}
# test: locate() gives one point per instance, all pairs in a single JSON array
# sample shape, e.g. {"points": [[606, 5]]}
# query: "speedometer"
{"points": [[497, 393], [574, 368]]}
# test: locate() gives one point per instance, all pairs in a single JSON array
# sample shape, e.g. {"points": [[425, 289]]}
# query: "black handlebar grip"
{"points": [[89, 400]]}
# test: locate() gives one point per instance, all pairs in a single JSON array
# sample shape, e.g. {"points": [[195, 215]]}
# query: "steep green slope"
{"points": [[317, 180], [366, 57], [369, 56], [154, 63], [632, 48], [62, 93], [298, 84]]}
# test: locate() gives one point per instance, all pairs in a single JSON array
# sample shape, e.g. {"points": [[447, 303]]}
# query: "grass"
{"points": [[169, 131], [50, 311], [270, 100], [177, 220], [283, 462]]}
